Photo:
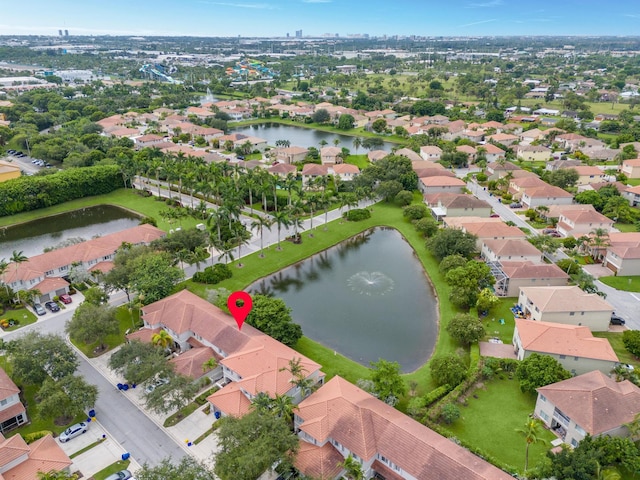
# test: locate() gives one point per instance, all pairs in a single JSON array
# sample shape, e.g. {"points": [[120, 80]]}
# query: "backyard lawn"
{"points": [[615, 339], [628, 284], [490, 419], [494, 327]]}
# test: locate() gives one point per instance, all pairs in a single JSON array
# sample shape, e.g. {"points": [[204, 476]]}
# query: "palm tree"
{"points": [[336, 142], [605, 473], [353, 469], [531, 433], [261, 223], [282, 406], [209, 365], [240, 240], [17, 257], [262, 402], [357, 143], [599, 241], [161, 339], [4, 266], [322, 143], [282, 219]]}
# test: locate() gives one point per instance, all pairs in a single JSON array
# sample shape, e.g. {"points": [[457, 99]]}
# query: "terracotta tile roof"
{"points": [[143, 335], [318, 462], [431, 150], [626, 253], [367, 426], [466, 149], [561, 339], [7, 387], [93, 249], [555, 211], [528, 182], [410, 154], [190, 363], [315, 169], [12, 448], [45, 455], [547, 191], [50, 284], [594, 401], [282, 168], [231, 400], [462, 222], [385, 471], [492, 149], [374, 155], [588, 170], [492, 229], [587, 216], [456, 200], [420, 164], [343, 168], [529, 270], [499, 167], [442, 181], [103, 267], [511, 247], [565, 299], [635, 162], [433, 172]]}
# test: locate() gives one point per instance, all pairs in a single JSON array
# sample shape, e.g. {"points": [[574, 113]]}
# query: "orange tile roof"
{"points": [[492, 229], [50, 284], [561, 339], [143, 335], [528, 270], [565, 299], [231, 400], [12, 448], [511, 246], [45, 455], [190, 363], [318, 462], [594, 401], [442, 181], [7, 387], [367, 426]]}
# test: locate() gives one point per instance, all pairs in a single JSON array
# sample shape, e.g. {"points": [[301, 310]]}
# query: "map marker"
{"points": [[240, 313]]}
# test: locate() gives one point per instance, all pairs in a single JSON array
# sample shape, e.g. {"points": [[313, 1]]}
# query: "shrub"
{"points": [[404, 197], [436, 394], [415, 212], [569, 266], [631, 340], [149, 220], [450, 413], [33, 436], [357, 214], [448, 369], [214, 274], [481, 177]]}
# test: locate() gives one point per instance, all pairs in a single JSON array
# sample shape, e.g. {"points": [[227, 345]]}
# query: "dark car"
{"points": [[495, 215], [53, 306], [616, 320], [39, 309], [515, 205]]}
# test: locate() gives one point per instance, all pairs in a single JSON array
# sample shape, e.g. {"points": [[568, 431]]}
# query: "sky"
{"points": [[276, 18]]}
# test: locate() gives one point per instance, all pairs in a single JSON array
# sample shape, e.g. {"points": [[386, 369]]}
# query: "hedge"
{"points": [[28, 193], [214, 274]]}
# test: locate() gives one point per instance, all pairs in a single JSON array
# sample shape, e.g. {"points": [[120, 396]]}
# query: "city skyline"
{"points": [[276, 18]]}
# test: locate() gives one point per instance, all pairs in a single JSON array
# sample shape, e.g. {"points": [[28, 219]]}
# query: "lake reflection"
{"points": [[366, 298]]}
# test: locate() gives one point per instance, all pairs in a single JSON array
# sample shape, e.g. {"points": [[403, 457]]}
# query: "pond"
{"points": [[367, 298], [301, 137], [33, 237]]}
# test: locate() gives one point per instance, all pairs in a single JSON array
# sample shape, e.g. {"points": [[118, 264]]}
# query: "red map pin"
{"points": [[240, 313]]}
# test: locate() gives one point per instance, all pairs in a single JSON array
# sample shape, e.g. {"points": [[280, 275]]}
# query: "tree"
{"points": [[154, 276], [93, 323], [36, 357], [631, 340], [447, 370], [188, 468], [465, 329], [345, 122], [357, 143], [65, 398], [452, 241], [137, 362], [281, 218], [388, 384], [388, 190], [161, 339], [352, 468], [96, 296], [487, 300], [273, 317], [321, 116], [450, 262], [261, 223], [467, 282], [538, 370], [252, 444], [450, 413], [175, 394], [405, 197], [531, 433], [379, 125], [57, 475], [17, 258], [415, 212], [427, 226]]}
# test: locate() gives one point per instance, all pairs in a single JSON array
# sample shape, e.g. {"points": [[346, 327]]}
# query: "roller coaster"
{"points": [[157, 72]]}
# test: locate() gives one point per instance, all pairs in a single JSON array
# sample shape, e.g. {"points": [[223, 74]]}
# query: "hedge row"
{"points": [[33, 192]]}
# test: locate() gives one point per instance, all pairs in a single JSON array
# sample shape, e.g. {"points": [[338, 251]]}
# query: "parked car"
{"points": [[39, 309], [155, 384], [627, 367], [616, 320], [11, 151], [515, 205], [121, 475], [495, 215], [66, 299], [53, 306], [73, 431]]}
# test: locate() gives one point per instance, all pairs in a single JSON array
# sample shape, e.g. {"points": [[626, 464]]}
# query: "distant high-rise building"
{"points": [[298, 33], [66, 33], [287, 34], [60, 32]]}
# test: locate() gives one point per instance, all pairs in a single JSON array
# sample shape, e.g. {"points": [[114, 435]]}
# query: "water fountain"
{"points": [[370, 283]]}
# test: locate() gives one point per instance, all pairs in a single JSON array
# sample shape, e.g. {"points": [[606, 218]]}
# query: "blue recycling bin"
{"points": [[217, 415], [125, 456], [92, 413]]}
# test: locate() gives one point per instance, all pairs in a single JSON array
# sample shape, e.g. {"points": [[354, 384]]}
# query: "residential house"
{"points": [[510, 249], [454, 130], [311, 171], [410, 154], [282, 169], [517, 186], [470, 151], [19, 460], [631, 168], [240, 140], [44, 272], [150, 140], [574, 141], [375, 155], [505, 139], [530, 136], [574, 347], [330, 155], [498, 170], [430, 153], [441, 184], [589, 174], [554, 165], [456, 205], [341, 420], [545, 195], [487, 229], [12, 411], [632, 194], [511, 276], [292, 154], [592, 403], [569, 305], [199, 112], [579, 222], [533, 153], [249, 362], [344, 171], [9, 171], [623, 253], [475, 136], [492, 153]]}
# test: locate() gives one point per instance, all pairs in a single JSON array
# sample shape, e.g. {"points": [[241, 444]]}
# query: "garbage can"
{"points": [[92, 413], [125, 456], [217, 415]]}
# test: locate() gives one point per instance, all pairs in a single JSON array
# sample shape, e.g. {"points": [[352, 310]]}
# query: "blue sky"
{"points": [[267, 18]]}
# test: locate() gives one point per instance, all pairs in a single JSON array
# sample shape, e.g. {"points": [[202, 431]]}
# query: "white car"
{"points": [[73, 431]]}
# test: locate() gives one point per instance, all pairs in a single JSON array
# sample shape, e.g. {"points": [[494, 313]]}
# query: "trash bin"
{"points": [[92, 413], [125, 456]]}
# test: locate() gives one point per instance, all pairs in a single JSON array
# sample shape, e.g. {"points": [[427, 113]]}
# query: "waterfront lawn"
{"points": [[490, 419], [125, 198], [625, 283], [360, 161]]}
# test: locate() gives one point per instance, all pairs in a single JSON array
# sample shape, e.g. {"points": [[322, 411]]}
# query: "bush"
{"points": [[631, 340], [214, 274], [404, 197], [450, 413], [447, 369], [149, 221], [357, 214], [202, 398], [415, 212], [33, 436], [436, 394], [481, 177], [569, 266]]}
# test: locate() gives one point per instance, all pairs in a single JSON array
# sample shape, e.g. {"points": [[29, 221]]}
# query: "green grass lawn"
{"points": [[626, 283], [21, 315], [129, 321], [360, 161], [615, 339], [128, 199], [626, 227], [490, 419], [492, 321], [113, 468]]}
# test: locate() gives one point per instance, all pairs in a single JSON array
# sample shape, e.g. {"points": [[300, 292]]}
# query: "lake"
{"points": [[367, 298], [301, 137], [33, 237]]}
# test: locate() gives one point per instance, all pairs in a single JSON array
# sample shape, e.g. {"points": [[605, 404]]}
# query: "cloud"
{"points": [[632, 15], [478, 23], [256, 6], [487, 4]]}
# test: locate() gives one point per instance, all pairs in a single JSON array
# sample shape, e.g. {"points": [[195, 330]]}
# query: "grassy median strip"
{"points": [[87, 448]]}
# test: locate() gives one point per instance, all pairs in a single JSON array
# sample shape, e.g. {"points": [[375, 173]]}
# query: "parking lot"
{"points": [[28, 165]]}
